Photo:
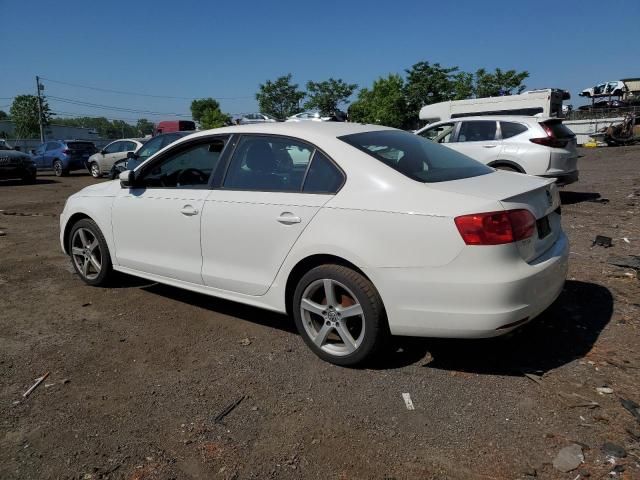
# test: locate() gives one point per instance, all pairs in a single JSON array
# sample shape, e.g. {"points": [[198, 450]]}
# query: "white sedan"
{"points": [[357, 231]]}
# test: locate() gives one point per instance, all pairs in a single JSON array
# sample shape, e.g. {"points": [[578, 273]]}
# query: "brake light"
{"points": [[550, 140], [496, 228], [66, 151]]}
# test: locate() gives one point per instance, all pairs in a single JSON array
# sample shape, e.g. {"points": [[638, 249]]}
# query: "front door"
{"points": [[478, 139], [273, 188], [156, 224]]}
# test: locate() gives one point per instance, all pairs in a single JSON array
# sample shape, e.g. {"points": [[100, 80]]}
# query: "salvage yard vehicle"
{"points": [[63, 155], [250, 118], [532, 145], [357, 231], [152, 146], [16, 165], [101, 162], [616, 88]]}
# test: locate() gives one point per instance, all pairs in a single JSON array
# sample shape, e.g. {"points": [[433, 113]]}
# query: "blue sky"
{"points": [[225, 49]]}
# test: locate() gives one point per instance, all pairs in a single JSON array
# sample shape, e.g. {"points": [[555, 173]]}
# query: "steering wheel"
{"points": [[193, 176]]}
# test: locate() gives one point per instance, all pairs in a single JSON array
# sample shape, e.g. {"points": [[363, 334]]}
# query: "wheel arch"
{"points": [[73, 219], [506, 163], [308, 263]]}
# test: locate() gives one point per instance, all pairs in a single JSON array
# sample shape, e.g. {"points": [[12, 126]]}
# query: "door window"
{"points": [[113, 147], [128, 147], [190, 167], [323, 176], [265, 163], [477, 131], [52, 146], [440, 133]]}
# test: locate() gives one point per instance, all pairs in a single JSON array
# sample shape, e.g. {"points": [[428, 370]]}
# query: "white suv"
{"points": [[534, 145]]}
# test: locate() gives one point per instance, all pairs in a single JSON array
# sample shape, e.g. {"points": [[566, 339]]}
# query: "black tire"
{"points": [[95, 173], [376, 330], [106, 270], [59, 170], [506, 168]]}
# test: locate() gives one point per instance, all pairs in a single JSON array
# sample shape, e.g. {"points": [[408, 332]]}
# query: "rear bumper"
{"points": [[484, 293], [563, 178]]}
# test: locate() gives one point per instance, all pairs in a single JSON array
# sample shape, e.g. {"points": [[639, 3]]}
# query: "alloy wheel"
{"points": [[86, 253], [95, 170], [57, 168], [332, 317]]}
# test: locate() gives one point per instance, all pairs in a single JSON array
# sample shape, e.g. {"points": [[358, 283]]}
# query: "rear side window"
{"points": [[511, 129], [477, 131], [558, 130], [323, 176], [416, 157], [52, 146]]}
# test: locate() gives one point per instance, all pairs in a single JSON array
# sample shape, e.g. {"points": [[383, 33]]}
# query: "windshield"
{"points": [[416, 157]]}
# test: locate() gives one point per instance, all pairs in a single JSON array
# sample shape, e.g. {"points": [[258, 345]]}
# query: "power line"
{"points": [[120, 92], [61, 114], [107, 107]]}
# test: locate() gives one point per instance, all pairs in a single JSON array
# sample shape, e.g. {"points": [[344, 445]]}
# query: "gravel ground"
{"points": [[139, 373]]}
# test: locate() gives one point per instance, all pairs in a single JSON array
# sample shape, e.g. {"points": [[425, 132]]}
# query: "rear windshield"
{"points": [[559, 130], [416, 157], [80, 146]]}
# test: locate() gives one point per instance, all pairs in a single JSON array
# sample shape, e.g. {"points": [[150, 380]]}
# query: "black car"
{"points": [[15, 164], [152, 146]]}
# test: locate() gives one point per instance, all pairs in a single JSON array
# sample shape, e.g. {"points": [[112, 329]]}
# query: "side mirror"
{"points": [[126, 179], [132, 155], [102, 152]]}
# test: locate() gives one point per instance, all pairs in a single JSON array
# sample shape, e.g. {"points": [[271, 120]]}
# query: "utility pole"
{"points": [[40, 87]]}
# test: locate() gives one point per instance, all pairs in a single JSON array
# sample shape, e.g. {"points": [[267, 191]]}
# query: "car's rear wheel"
{"points": [[89, 253], [94, 168], [506, 168], [59, 169], [339, 314]]}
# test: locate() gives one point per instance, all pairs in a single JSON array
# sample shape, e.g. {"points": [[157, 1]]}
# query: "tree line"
{"points": [[394, 100]]}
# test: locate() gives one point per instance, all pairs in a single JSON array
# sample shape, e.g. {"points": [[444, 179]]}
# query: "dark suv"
{"points": [[15, 164], [63, 155]]}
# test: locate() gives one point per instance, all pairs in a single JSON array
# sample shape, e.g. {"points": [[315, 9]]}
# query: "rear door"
{"points": [[50, 154], [478, 139], [273, 188]]}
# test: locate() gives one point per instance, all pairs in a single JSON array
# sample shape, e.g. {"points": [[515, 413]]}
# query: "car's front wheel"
{"points": [[89, 253], [94, 168], [339, 314], [58, 169]]}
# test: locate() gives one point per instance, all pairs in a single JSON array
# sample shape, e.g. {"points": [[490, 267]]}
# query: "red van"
{"points": [[168, 126]]}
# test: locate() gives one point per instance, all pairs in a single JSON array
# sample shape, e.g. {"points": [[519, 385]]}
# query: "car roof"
{"points": [[307, 130], [513, 118]]}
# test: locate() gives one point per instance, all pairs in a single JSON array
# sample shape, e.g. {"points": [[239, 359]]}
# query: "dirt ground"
{"points": [[139, 373]]}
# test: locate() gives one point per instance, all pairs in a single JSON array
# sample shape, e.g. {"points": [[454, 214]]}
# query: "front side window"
{"points": [[113, 147], [52, 146], [149, 148], [264, 163], [511, 129], [477, 131], [190, 167], [439, 133], [416, 157]]}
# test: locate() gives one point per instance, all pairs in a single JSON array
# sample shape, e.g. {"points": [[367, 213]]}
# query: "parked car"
{"points": [[101, 162], [16, 164], [63, 155], [168, 126], [605, 89], [604, 104], [307, 117], [534, 145], [357, 231], [150, 147], [256, 118]]}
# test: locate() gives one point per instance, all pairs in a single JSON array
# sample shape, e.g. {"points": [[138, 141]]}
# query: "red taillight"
{"points": [[66, 151], [550, 140], [496, 228]]}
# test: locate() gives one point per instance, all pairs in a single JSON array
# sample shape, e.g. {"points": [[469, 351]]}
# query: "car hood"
{"points": [[103, 189], [13, 154]]}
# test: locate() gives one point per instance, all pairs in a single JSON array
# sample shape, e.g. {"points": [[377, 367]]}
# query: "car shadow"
{"points": [[255, 315], [20, 183], [570, 198], [566, 331]]}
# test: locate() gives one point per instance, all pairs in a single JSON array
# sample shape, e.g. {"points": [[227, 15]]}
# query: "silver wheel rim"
{"points": [[332, 317], [95, 170], [57, 168], [86, 253]]}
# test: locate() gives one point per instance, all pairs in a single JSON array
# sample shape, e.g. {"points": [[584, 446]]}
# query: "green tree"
{"points": [[24, 113], [327, 96], [429, 83], [145, 127], [498, 82], [206, 111], [279, 98], [384, 104], [462, 86], [3, 115]]}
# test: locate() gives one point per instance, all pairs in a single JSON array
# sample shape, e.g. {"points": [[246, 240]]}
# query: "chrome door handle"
{"points": [[288, 218], [489, 146], [188, 210]]}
